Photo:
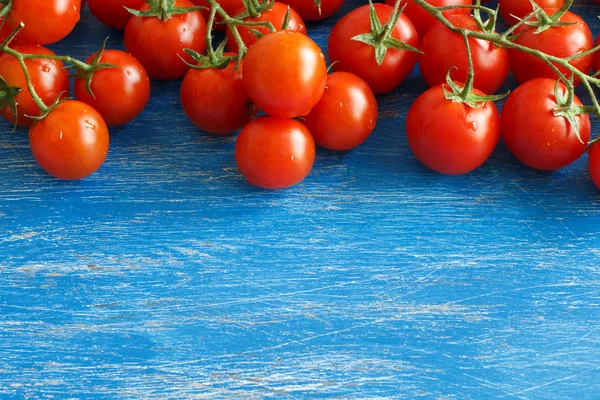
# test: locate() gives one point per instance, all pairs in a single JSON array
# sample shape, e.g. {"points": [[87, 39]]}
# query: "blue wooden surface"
{"points": [[165, 276]]}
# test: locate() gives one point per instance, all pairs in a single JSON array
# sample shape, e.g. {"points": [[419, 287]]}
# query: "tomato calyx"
{"points": [[543, 21], [215, 59], [8, 97], [566, 108], [489, 25], [380, 36], [162, 9], [92, 67], [254, 8]]}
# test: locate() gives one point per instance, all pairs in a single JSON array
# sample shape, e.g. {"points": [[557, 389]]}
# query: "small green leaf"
{"points": [[8, 98], [286, 20], [318, 4]]}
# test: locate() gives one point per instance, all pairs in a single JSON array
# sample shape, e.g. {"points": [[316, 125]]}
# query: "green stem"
{"points": [[209, 29], [471, 74]]}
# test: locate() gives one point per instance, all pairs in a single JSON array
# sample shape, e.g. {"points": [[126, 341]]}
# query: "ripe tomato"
{"points": [[215, 99], [514, 10], [534, 134], [112, 13], [443, 50], [49, 78], [158, 45], [229, 6], [309, 10], [274, 153], [422, 20], [71, 142], [120, 94], [45, 21], [559, 41], [275, 14], [594, 164], [285, 74], [345, 115], [451, 137], [359, 58]]}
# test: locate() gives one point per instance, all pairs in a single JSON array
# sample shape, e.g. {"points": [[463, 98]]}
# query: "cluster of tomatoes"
{"points": [[283, 73]]}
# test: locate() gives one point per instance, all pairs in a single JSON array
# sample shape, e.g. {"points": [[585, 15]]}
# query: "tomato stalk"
{"points": [[162, 9], [506, 40]]}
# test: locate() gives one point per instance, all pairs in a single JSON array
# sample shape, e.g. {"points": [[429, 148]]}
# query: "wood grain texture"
{"points": [[165, 276]]}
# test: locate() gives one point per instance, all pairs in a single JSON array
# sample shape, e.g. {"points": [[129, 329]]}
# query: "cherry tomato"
{"points": [[594, 164], [120, 94], [71, 142], [229, 6], [345, 115], [275, 14], [49, 79], [311, 10], [215, 100], [359, 58], [422, 20], [112, 13], [285, 74], [559, 41], [274, 153], [158, 45], [46, 21], [451, 137], [514, 10], [443, 50], [534, 134]]}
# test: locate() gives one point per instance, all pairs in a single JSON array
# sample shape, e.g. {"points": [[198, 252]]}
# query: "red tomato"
{"points": [[229, 6], [46, 21], [285, 74], [559, 41], [49, 78], [309, 11], [120, 94], [274, 153], [158, 44], [422, 20], [71, 142], [443, 50], [215, 99], [596, 62], [275, 14], [345, 115], [594, 164], [514, 10], [112, 13], [534, 134], [359, 58], [451, 137]]}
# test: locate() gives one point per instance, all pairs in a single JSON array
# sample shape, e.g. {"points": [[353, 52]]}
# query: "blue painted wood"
{"points": [[165, 276]]}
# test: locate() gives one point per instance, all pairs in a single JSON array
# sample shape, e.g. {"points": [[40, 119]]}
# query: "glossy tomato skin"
{"points": [[215, 100], [230, 7], [594, 164], [275, 14], [46, 21], [514, 10], [285, 74], [443, 50], [120, 94], [49, 78], [560, 41], [450, 137], [274, 153], [157, 45], [308, 10], [112, 13], [71, 142], [532, 132], [422, 20], [359, 58], [346, 114]]}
